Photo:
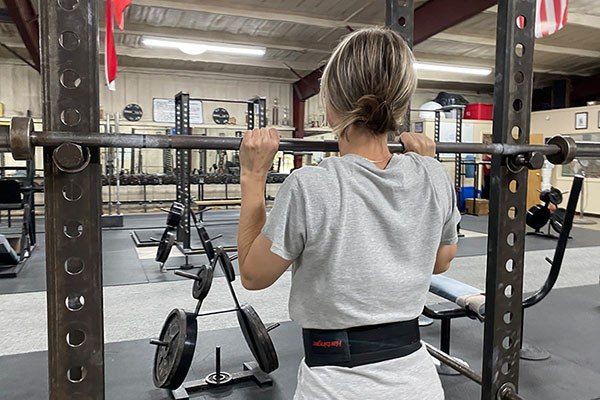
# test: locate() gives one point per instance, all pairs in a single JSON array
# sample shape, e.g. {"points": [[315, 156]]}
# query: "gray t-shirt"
{"points": [[364, 242]]}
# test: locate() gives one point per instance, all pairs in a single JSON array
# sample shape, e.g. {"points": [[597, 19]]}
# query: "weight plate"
{"points": [[166, 244], [173, 357], [555, 196], [226, 264], [557, 220], [201, 287], [258, 338], [206, 243], [220, 116], [175, 214], [537, 216]]}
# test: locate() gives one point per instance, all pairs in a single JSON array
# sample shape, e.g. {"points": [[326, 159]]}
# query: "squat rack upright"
{"points": [[69, 32]]}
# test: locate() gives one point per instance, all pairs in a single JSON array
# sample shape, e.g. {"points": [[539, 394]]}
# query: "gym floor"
{"points": [[138, 297]]}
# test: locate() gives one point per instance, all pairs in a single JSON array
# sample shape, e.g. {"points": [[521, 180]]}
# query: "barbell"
{"points": [[20, 139]]}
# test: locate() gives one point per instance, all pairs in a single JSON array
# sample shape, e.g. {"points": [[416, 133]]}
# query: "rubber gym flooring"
{"points": [[566, 325]]}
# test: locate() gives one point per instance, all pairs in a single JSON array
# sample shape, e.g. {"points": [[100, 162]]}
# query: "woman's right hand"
{"points": [[418, 143]]}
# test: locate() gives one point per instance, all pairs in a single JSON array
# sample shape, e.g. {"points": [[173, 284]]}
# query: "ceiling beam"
{"points": [[222, 37], [427, 22], [25, 18], [477, 40], [428, 19], [224, 7]]}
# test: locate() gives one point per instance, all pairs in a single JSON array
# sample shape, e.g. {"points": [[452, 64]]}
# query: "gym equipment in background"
{"points": [[471, 300], [177, 340], [547, 213]]}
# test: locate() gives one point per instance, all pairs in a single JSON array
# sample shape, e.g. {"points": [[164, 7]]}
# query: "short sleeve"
{"points": [[286, 222], [450, 229]]}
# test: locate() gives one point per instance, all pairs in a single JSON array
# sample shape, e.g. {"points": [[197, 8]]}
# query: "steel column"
{"points": [[506, 238], [182, 127], [399, 16], [73, 203]]}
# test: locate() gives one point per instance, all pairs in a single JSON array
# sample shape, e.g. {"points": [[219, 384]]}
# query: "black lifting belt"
{"points": [[362, 345]]}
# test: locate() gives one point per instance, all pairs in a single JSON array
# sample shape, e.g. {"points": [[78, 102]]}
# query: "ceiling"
{"points": [[300, 34]]}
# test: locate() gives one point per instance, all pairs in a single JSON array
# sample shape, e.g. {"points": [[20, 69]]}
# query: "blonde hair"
{"points": [[369, 81]]}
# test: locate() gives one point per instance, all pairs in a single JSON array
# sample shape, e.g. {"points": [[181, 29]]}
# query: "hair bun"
{"points": [[375, 113]]}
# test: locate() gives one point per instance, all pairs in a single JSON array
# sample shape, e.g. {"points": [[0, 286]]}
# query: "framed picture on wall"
{"points": [[581, 120]]}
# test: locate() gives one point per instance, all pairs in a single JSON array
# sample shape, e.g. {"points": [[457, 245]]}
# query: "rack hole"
{"points": [[513, 186], [519, 49], [508, 291], [68, 5], [510, 239], [72, 191], [507, 317], [402, 21], [521, 21], [69, 40], [75, 338], [74, 303], [519, 77], [512, 212], [70, 117], [509, 265], [70, 79], [73, 229], [76, 374], [517, 105], [506, 342], [515, 132], [505, 369], [74, 265]]}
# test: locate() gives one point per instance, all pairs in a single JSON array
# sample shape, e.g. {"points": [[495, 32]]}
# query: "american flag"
{"points": [[550, 16]]}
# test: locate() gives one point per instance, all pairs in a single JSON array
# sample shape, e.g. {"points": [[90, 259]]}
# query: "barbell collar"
{"points": [[20, 132], [568, 150]]}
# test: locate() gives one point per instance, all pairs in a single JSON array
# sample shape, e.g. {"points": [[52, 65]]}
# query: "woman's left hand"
{"points": [[258, 150]]}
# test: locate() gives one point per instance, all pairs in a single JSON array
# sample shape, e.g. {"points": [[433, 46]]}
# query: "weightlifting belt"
{"points": [[361, 345]]}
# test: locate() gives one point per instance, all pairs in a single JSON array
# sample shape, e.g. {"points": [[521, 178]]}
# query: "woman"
{"points": [[364, 231]]}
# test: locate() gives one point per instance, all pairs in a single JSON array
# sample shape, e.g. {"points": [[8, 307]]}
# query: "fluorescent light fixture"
{"points": [[482, 71], [197, 48]]}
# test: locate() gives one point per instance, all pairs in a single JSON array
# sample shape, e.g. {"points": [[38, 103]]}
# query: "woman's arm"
{"points": [[259, 267], [444, 257]]}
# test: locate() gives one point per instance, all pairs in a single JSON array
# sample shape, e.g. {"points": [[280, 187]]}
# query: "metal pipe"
{"points": [[93, 139], [233, 143], [463, 369]]}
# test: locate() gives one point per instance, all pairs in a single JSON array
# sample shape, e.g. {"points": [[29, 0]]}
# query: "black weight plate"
{"points": [[557, 219], [537, 216], [166, 244], [555, 196], [258, 338], [206, 243], [201, 287], [175, 214], [220, 116], [173, 360], [226, 264]]}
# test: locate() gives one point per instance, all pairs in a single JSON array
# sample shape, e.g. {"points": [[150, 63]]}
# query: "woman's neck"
{"points": [[363, 143]]}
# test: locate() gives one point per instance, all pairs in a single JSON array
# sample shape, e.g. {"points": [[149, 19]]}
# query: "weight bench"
{"points": [[471, 300]]}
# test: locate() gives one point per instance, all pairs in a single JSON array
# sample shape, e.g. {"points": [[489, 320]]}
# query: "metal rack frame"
{"points": [[73, 204]]}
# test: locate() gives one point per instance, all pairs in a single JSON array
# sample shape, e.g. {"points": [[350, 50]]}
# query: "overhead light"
{"points": [[482, 71], [196, 48]]}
